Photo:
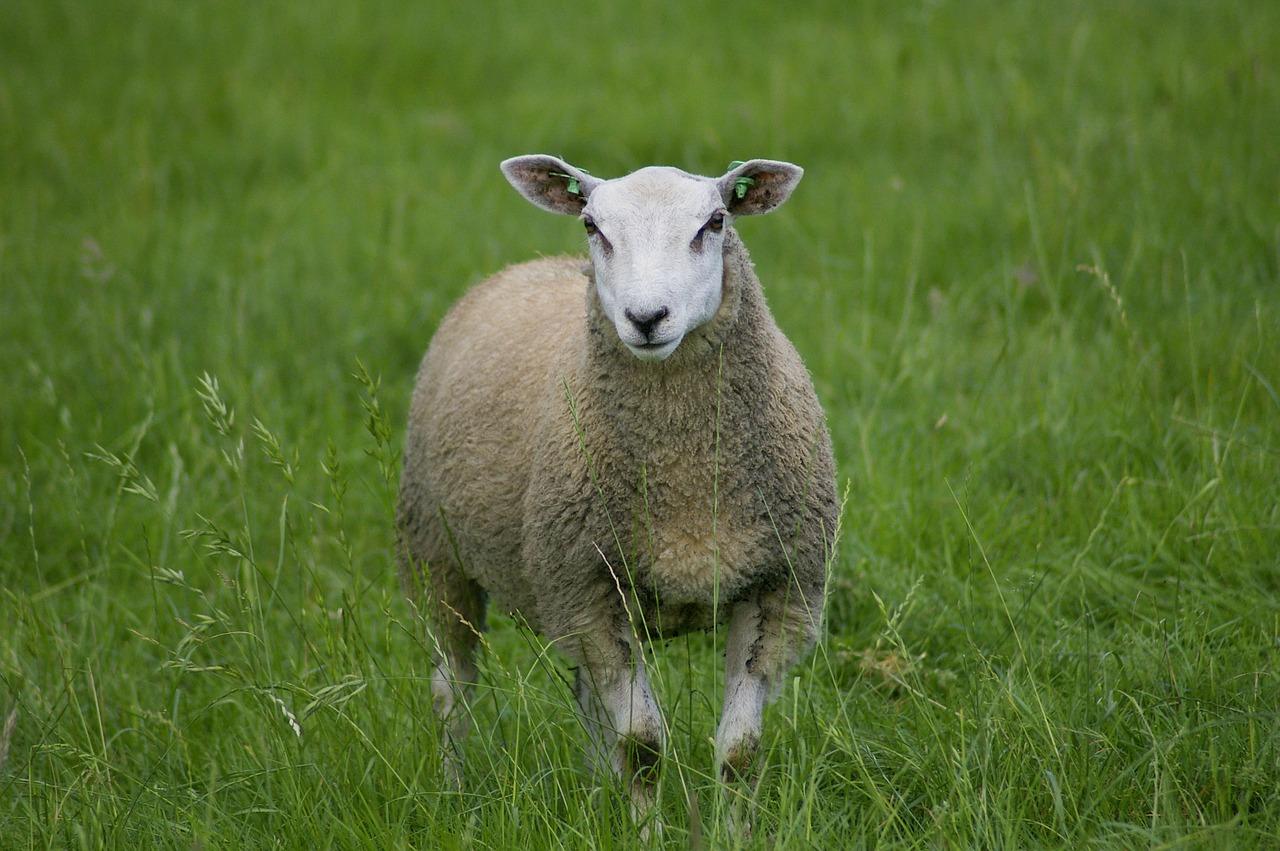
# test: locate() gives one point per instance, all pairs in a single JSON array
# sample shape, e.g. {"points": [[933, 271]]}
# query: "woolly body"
{"points": [[545, 463]]}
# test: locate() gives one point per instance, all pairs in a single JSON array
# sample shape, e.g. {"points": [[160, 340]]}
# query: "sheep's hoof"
{"points": [[650, 829], [738, 759], [650, 825], [451, 765], [641, 760], [739, 824], [641, 765]]}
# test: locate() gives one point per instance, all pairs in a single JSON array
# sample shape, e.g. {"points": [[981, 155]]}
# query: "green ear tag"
{"points": [[573, 188], [742, 184]]}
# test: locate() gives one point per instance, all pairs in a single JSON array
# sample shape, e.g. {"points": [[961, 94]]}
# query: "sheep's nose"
{"points": [[645, 322]]}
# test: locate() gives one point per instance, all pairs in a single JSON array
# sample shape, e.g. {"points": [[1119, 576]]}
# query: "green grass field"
{"points": [[1034, 268]]}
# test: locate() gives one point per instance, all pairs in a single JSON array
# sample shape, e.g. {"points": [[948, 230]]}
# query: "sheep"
{"points": [[622, 450]]}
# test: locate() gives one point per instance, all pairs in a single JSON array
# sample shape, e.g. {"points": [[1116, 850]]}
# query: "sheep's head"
{"points": [[656, 237]]}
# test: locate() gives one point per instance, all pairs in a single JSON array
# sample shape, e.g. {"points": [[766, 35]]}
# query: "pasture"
{"points": [[1033, 267]]}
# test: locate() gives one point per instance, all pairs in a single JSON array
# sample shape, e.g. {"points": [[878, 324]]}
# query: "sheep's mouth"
{"points": [[654, 350]]}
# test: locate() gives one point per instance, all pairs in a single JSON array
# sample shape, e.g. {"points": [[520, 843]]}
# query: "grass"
{"points": [[1033, 268]]}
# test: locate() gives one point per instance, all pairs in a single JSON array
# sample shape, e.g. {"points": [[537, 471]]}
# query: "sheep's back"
{"points": [[467, 456]]}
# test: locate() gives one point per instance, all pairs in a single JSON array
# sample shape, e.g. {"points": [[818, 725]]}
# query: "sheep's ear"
{"points": [[550, 182], [758, 186]]}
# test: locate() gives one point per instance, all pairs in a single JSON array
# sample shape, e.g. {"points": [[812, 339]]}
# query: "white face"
{"points": [[656, 237]]}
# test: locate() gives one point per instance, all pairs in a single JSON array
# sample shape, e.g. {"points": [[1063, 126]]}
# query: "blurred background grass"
{"points": [[1033, 268]]}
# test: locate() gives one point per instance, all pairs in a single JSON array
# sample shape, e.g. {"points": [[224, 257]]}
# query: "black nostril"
{"points": [[645, 322]]}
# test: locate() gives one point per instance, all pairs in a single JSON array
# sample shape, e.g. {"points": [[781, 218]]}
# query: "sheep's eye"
{"points": [[592, 230], [715, 224]]}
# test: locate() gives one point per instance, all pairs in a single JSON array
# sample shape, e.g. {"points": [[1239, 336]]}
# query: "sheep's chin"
{"points": [[654, 353]]}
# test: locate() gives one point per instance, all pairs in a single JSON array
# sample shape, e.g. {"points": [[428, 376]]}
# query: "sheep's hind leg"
{"points": [[458, 616]]}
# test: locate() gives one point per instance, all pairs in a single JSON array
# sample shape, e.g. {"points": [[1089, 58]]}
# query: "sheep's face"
{"points": [[656, 238]]}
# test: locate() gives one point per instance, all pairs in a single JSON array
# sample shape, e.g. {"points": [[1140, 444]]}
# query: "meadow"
{"points": [[1033, 267]]}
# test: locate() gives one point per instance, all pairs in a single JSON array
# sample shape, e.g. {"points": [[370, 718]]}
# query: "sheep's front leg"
{"points": [[623, 718], [767, 635], [618, 708]]}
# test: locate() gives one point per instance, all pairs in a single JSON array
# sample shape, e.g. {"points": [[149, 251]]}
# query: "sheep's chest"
{"points": [[693, 539], [689, 494]]}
